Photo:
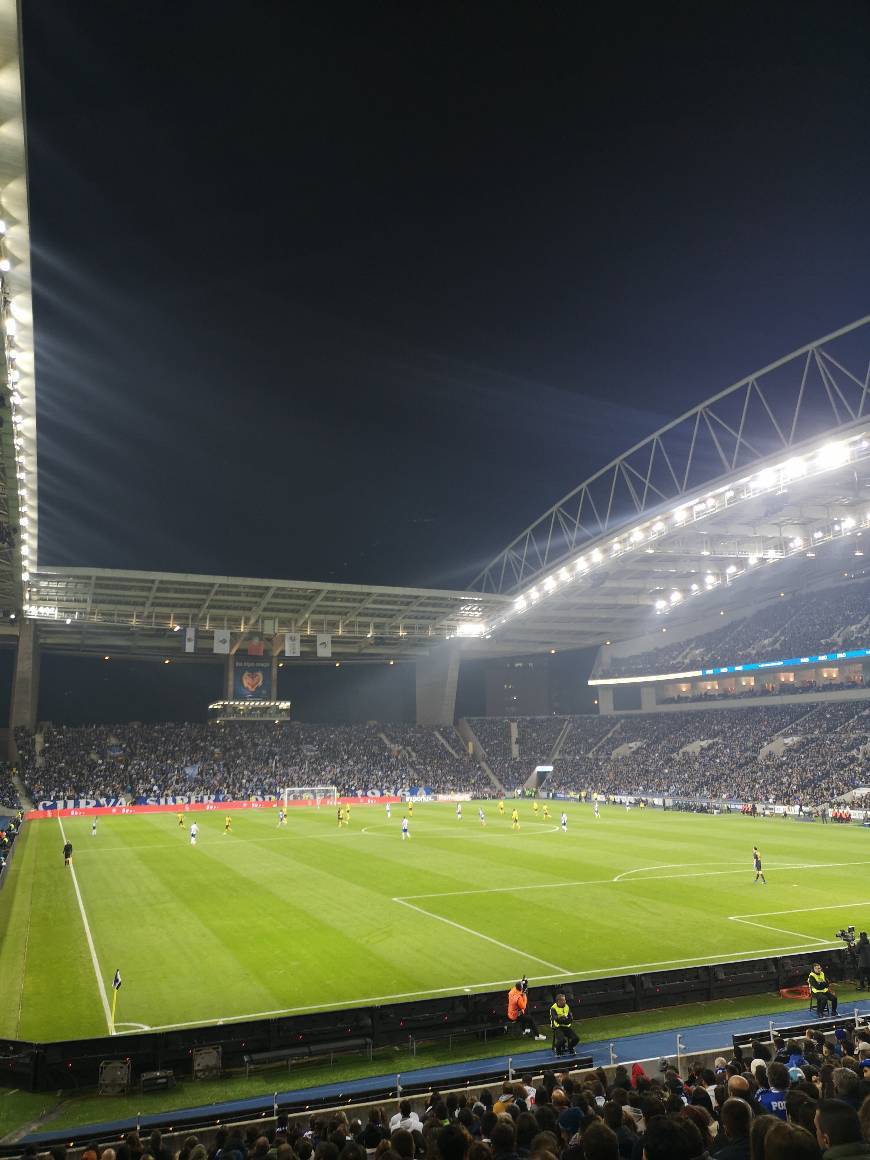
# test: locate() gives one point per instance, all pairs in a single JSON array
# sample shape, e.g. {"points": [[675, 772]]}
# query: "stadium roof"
{"points": [[774, 469], [103, 610]]}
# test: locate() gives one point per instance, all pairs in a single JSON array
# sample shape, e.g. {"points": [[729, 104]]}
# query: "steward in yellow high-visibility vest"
{"points": [[821, 990], [561, 1019]]}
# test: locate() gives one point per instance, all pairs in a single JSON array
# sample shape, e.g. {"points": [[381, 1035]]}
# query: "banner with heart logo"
{"points": [[252, 678]]}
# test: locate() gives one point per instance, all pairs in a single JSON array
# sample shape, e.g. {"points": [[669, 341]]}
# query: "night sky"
{"points": [[355, 292]]}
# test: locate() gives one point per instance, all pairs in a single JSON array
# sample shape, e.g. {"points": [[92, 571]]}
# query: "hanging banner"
{"points": [[252, 678], [324, 644], [222, 640], [190, 640], [292, 644]]}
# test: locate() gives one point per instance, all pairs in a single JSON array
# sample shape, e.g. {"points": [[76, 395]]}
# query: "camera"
{"points": [[847, 935], [524, 984]]}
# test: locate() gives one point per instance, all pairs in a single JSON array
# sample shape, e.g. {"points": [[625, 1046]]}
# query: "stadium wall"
{"points": [[46, 1066]]}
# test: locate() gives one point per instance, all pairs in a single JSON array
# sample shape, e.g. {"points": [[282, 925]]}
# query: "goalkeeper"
{"points": [[565, 1039]]}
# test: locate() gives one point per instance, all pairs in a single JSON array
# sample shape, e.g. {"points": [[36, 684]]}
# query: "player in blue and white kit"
{"points": [[388, 811], [94, 828], [194, 830], [405, 833], [563, 822], [459, 811], [595, 809], [482, 816], [282, 818]]}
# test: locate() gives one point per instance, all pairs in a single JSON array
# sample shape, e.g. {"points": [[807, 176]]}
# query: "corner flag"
{"points": [[116, 986]]}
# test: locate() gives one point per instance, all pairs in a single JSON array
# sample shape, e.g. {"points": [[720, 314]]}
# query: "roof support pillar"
{"points": [[25, 683], [605, 698], [437, 676]]}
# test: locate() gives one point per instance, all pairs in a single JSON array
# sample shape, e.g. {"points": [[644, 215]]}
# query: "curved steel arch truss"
{"points": [[822, 387]]}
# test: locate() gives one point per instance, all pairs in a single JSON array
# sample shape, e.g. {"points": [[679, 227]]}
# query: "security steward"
{"points": [[821, 990], [565, 1038]]}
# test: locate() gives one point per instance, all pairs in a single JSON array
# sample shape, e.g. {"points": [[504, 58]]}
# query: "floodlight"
{"points": [[848, 522], [549, 584], [658, 526], [731, 569], [676, 597], [766, 478], [794, 468], [660, 604], [636, 536], [832, 455], [680, 516], [596, 556]]}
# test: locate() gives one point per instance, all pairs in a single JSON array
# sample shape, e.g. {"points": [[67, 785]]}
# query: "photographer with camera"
{"points": [[516, 1011], [862, 951], [821, 990]]}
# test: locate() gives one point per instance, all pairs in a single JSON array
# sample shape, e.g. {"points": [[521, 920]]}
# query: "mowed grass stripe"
{"points": [[267, 920]]}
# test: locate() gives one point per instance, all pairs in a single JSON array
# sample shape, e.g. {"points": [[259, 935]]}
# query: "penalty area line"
{"points": [[478, 934], [103, 996]]}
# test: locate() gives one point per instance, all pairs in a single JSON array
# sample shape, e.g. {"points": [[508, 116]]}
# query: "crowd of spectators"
{"points": [[797, 624], [792, 754], [237, 760], [536, 738], [8, 792], [806, 1099], [804, 753]]}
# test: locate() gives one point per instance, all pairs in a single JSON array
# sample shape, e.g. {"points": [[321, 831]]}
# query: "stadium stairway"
{"points": [[695, 1040]]}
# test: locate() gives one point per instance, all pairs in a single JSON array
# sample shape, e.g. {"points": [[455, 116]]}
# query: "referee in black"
{"points": [[67, 853]]}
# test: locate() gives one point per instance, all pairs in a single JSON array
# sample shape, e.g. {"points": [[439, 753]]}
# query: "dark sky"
{"points": [[355, 291]]}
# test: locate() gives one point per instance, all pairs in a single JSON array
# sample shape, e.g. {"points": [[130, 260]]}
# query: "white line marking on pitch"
{"points": [[103, 996], [130, 1023], [778, 929], [648, 878], [485, 937], [356, 1002], [801, 909]]}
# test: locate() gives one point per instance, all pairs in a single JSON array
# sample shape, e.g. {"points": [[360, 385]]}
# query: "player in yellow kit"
{"points": [[535, 809], [546, 812], [515, 819], [228, 824], [501, 809], [181, 820]]}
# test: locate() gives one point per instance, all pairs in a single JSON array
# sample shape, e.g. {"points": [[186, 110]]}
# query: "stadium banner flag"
{"points": [[255, 648], [222, 640], [252, 678], [292, 644], [190, 640], [324, 644]]}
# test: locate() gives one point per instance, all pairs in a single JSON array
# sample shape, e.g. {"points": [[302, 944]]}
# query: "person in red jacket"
{"points": [[516, 1011]]}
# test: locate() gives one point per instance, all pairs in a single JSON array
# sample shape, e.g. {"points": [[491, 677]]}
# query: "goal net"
{"points": [[316, 795]]}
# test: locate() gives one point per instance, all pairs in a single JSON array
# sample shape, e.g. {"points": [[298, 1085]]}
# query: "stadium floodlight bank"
{"points": [[315, 795]]}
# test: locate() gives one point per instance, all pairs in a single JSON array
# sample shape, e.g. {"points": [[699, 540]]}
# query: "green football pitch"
{"points": [[267, 921]]}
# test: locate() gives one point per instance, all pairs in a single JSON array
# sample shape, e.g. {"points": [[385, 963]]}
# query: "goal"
{"points": [[317, 795]]}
